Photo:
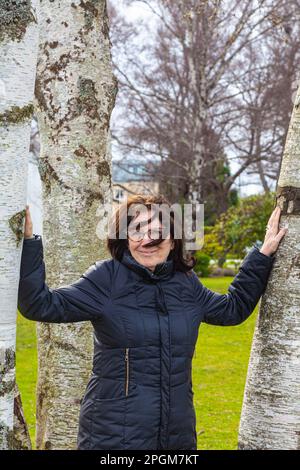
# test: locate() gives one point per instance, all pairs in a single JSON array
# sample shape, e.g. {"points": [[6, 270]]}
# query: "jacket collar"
{"points": [[161, 271]]}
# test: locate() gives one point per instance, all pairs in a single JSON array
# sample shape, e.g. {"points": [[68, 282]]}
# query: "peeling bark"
{"points": [[75, 93], [271, 409], [18, 55]]}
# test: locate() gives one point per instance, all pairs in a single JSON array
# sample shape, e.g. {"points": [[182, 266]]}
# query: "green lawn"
{"points": [[219, 374], [26, 369]]}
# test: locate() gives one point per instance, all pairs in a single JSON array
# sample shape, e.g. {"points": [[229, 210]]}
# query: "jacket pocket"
{"points": [[127, 367]]}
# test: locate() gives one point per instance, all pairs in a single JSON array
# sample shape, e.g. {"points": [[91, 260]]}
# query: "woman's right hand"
{"points": [[273, 233], [28, 230]]}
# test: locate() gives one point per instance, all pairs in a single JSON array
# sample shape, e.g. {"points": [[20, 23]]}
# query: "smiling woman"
{"points": [[145, 226], [146, 305], [140, 240]]}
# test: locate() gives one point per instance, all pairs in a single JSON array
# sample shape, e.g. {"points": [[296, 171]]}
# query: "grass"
{"points": [[219, 373], [26, 370]]}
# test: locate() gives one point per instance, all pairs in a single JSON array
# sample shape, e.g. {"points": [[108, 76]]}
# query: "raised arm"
{"points": [[243, 293], [83, 300], [248, 285]]}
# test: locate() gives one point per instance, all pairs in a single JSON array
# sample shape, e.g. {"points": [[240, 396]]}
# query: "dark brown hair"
{"points": [[118, 243]]}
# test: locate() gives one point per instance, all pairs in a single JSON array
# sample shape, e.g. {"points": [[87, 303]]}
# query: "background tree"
{"points": [[270, 415], [75, 92], [186, 89], [18, 55], [265, 103]]}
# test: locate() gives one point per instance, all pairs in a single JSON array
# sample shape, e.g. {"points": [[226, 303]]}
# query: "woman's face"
{"points": [[148, 256]]}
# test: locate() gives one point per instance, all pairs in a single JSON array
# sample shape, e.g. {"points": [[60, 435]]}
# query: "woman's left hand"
{"points": [[273, 236]]}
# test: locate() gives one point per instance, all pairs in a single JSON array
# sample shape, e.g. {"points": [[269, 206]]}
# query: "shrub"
{"points": [[244, 224], [202, 267]]}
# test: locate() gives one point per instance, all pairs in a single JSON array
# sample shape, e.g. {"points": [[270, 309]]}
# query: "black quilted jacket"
{"points": [[140, 394]]}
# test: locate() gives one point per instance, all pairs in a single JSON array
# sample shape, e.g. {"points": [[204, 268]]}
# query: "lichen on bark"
{"points": [[16, 225], [87, 99], [288, 198], [91, 11], [103, 169], [83, 152], [7, 360], [6, 387], [6, 437], [17, 114], [15, 16], [47, 172]]}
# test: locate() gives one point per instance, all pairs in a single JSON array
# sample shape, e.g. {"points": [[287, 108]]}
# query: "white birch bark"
{"points": [[198, 91], [75, 94], [18, 55], [271, 409]]}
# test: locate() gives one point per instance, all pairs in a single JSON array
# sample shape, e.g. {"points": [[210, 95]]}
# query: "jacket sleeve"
{"points": [[243, 294], [80, 301]]}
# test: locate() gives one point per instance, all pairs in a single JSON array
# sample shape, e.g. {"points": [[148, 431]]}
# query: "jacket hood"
{"points": [[161, 271]]}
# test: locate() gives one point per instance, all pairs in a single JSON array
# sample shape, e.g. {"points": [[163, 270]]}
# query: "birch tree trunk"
{"points": [[18, 55], [271, 409], [199, 92], [75, 94]]}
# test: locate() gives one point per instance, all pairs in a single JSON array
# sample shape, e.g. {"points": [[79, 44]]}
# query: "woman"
{"points": [[146, 304]]}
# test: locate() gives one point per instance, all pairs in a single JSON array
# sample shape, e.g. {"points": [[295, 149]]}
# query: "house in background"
{"points": [[132, 177]]}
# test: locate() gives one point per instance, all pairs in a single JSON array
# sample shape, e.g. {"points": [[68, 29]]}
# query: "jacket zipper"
{"points": [[126, 371]]}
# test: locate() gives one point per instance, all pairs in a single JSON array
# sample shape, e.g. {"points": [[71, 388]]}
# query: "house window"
{"points": [[119, 194]]}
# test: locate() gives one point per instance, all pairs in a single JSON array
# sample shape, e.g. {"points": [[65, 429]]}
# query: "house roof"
{"points": [[131, 171]]}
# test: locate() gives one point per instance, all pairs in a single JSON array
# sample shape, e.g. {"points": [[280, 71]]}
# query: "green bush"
{"points": [[202, 267], [242, 225]]}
